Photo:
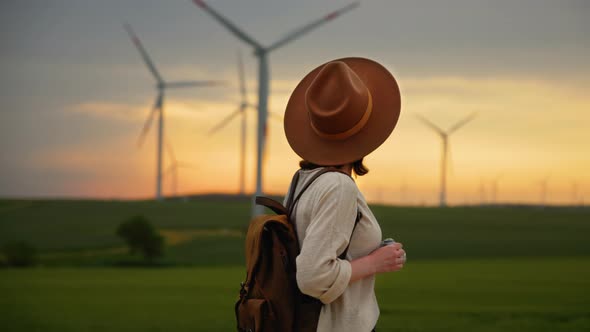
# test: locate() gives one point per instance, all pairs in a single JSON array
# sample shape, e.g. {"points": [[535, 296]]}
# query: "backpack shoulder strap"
{"points": [[270, 203], [359, 215], [277, 207], [292, 202], [292, 191]]}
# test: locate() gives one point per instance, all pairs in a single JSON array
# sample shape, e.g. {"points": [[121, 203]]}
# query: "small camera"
{"points": [[387, 242]]}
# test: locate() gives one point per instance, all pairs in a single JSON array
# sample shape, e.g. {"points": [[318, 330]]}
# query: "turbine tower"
{"points": [[482, 192], [444, 135], [495, 188], [161, 86], [262, 52], [574, 193]]}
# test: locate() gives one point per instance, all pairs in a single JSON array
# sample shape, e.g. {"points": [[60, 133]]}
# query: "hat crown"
{"points": [[337, 101]]}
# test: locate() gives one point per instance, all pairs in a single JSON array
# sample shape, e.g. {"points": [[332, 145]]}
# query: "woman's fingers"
{"points": [[395, 267], [391, 258], [397, 245], [400, 258]]}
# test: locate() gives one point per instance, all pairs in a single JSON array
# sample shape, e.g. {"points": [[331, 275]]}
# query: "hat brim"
{"points": [[386, 109]]}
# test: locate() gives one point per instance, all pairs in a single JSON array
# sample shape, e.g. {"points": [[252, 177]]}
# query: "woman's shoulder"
{"points": [[335, 182]]}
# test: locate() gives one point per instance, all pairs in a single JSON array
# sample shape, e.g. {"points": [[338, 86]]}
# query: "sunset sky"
{"points": [[75, 94]]}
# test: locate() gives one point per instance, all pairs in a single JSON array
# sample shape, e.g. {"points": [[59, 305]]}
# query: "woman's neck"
{"points": [[347, 168]]}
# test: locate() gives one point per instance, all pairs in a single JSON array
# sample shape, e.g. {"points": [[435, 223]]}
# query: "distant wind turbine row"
{"points": [[262, 53]]}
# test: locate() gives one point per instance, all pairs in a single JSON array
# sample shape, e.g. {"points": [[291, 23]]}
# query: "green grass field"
{"points": [[75, 232], [469, 269], [458, 295]]}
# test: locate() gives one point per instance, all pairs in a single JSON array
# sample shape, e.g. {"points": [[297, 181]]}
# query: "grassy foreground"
{"points": [[470, 269], [532, 294]]}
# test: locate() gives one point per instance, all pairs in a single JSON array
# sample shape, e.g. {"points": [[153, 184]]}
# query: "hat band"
{"points": [[355, 129]]}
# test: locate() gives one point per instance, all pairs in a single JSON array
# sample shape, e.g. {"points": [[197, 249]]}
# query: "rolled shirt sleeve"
{"points": [[320, 273]]}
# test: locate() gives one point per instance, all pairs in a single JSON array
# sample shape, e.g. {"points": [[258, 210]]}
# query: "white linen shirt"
{"points": [[324, 220]]}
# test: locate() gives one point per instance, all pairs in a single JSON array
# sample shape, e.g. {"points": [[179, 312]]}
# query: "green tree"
{"points": [[141, 237], [19, 254]]}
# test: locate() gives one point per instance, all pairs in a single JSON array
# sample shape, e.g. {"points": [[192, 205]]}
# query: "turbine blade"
{"points": [[225, 121], [430, 125], [241, 77], [146, 58], [252, 106], [170, 151], [170, 169], [190, 84], [148, 123], [229, 25], [310, 26], [462, 123]]}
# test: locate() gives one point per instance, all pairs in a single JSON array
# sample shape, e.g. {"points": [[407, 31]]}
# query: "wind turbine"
{"points": [[262, 53], [444, 135], [494, 186], [482, 192], [241, 111], [243, 106], [174, 166], [161, 86], [574, 192], [577, 194]]}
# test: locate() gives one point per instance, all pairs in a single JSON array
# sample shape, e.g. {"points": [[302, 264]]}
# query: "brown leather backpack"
{"points": [[269, 297]]}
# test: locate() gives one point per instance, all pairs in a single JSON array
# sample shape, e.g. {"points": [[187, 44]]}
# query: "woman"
{"points": [[338, 114]]}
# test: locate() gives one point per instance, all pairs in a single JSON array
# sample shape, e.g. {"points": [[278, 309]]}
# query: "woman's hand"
{"points": [[389, 258], [385, 259]]}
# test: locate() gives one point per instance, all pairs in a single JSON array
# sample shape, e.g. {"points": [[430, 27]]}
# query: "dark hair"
{"points": [[358, 167]]}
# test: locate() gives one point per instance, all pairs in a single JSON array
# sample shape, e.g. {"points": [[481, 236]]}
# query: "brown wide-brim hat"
{"points": [[342, 111]]}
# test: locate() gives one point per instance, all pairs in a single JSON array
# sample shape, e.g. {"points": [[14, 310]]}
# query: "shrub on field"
{"points": [[19, 254], [141, 237]]}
